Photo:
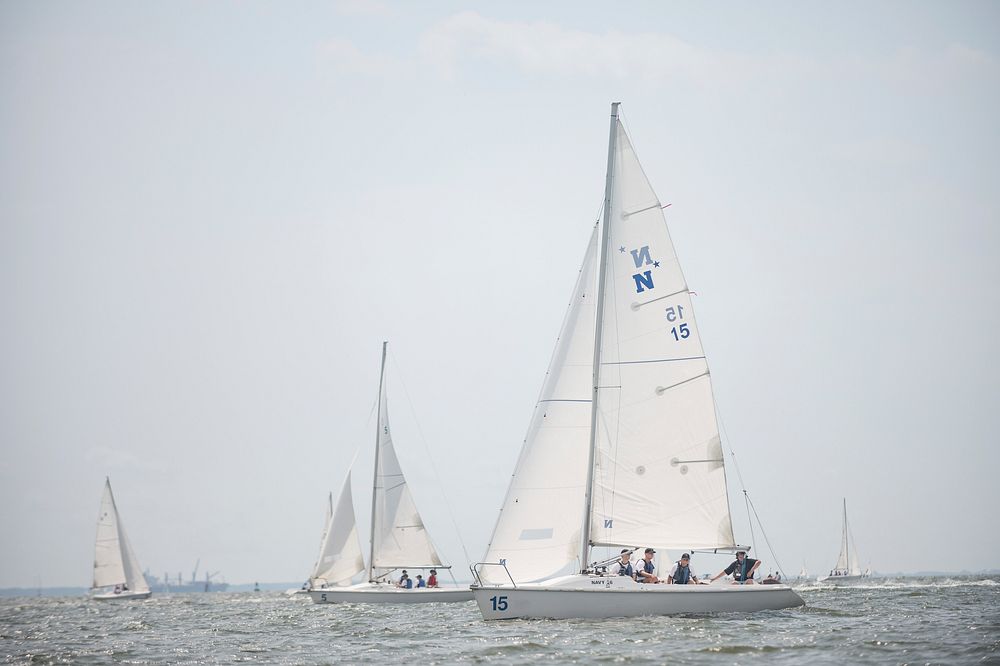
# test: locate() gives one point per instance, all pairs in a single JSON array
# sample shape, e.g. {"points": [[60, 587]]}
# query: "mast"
{"points": [[602, 276], [378, 436], [847, 543]]}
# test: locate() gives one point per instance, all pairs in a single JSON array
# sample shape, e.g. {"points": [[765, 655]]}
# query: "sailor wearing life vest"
{"points": [[646, 570], [741, 570], [681, 574], [623, 567]]}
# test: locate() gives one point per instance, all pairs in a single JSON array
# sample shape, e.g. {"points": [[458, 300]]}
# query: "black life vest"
{"points": [[682, 574]]}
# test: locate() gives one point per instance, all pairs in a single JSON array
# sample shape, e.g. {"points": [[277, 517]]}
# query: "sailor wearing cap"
{"points": [[623, 566], [741, 570], [646, 569], [681, 574]]}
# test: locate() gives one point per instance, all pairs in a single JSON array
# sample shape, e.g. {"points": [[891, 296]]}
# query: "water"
{"points": [[930, 620]]}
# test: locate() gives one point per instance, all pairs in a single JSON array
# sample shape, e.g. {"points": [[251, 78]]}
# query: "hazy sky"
{"points": [[212, 213]]}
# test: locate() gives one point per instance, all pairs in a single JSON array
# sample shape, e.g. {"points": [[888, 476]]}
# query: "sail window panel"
{"points": [[533, 512]]}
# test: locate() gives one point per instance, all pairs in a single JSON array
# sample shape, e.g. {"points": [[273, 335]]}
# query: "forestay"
{"points": [[340, 555], [539, 528]]}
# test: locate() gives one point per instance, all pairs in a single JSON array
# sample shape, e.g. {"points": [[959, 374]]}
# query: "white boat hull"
{"points": [[588, 596], [842, 580], [367, 593], [122, 596]]}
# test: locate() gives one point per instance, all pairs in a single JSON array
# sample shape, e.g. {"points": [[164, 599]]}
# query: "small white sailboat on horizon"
{"points": [[398, 539], [623, 450], [848, 570], [117, 574]]}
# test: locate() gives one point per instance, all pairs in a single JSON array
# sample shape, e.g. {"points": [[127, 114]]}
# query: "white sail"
{"points": [[848, 562], [538, 532], [659, 477], [399, 538], [340, 555], [115, 562]]}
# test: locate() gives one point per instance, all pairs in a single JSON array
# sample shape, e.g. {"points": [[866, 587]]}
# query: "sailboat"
{"points": [[117, 574], [848, 568], [398, 539], [623, 449]]}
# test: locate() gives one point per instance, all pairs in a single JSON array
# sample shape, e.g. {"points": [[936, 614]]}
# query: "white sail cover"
{"points": [[538, 532], [398, 534], [340, 555], [115, 562], [659, 477]]}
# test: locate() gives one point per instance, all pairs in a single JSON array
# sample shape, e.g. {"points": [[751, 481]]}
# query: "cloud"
{"points": [[547, 49], [363, 8], [346, 57]]}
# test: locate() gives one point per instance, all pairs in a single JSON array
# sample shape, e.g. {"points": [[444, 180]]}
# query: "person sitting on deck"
{"points": [[681, 574], [645, 570], [432, 579], [742, 569], [405, 581], [623, 566], [420, 581]]}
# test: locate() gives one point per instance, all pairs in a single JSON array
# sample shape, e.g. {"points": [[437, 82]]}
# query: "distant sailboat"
{"points": [[848, 568], [398, 538], [117, 574], [623, 450]]}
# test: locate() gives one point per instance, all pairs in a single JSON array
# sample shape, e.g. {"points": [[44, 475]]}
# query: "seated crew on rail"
{"points": [[645, 571], [623, 566], [741, 570], [681, 574]]}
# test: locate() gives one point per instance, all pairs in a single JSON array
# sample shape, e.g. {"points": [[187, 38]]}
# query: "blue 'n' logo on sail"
{"points": [[643, 280], [607, 523]]}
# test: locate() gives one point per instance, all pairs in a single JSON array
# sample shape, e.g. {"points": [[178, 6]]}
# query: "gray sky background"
{"points": [[211, 214]]}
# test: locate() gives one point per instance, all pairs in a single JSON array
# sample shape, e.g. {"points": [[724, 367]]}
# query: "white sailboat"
{"points": [[398, 538], [623, 449], [117, 574], [848, 568]]}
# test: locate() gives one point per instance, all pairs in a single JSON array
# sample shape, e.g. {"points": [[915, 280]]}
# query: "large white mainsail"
{"points": [[399, 538], [115, 562], [659, 477], [340, 555], [538, 532]]}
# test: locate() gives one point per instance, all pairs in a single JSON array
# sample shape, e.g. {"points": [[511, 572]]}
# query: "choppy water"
{"points": [[934, 620]]}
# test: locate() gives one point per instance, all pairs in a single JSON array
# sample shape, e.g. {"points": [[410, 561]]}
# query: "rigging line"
{"points": [[746, 495], [777, 564], [423, 440]]}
